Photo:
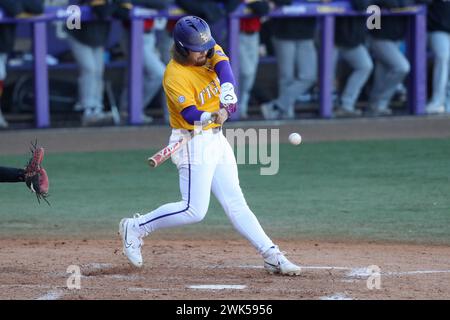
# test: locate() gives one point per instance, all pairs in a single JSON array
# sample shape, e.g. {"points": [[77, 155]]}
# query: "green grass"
{"points": [[379, 190]]}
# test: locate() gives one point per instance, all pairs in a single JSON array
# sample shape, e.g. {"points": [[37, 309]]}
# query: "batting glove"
{"points": [[220, 116], [228, 98]]}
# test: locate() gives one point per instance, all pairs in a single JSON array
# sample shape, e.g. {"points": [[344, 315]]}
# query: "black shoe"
{"points": [[376, 112], [345, 113]]}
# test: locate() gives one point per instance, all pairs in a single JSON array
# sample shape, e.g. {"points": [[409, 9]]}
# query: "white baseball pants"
{"points": [[207, 163]]}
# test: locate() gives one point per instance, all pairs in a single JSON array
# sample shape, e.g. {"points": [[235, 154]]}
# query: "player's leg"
{"points": [[3, 59], [304, 59], [248, 59], [124, 43], [391, 70], [447, 90], [307, 65], [195, 187], [153, 68], [226, 188], [99, 58], [12, 174], [361, 62], [447, 95], [447, 98], [85, 59], [196, 174], [440, 47], [286, 53]]}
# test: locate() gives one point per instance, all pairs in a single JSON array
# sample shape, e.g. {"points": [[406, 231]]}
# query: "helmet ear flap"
{"points": [[181, 50], [210, 53]]}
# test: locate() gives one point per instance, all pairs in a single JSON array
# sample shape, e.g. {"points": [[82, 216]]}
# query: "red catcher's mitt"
{"points": [[35, 176]]}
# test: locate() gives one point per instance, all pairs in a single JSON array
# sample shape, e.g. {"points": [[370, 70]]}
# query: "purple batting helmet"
{"points": [[192, 33]]}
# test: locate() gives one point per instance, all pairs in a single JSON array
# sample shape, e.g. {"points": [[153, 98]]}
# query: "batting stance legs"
{"points": [[206, 163]]}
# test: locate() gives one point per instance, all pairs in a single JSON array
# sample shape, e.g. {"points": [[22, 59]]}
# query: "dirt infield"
{"points": [[37, 270]]}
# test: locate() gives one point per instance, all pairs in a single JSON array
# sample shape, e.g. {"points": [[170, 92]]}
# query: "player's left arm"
{"points": [[222, 67]]}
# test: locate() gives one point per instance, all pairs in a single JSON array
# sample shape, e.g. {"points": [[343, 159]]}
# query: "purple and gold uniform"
{"points": [[187, 86], [206, 163]]}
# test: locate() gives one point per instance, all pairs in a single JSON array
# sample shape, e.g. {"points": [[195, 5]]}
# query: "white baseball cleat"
{"points": [[3, 122], [131, 239], [276, 263], [268, 111], [434, 109]]}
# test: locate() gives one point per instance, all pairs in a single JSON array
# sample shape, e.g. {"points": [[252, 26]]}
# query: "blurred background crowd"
{"points": [[278, 74]]}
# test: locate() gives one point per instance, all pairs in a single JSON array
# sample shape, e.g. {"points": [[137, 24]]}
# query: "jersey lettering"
{"points": [[210, 91]]}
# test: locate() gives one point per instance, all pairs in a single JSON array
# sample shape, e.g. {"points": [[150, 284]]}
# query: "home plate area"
{"points": [[221, 269]]}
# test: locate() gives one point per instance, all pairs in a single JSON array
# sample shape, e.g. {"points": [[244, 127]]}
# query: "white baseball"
{"points": [[295, 138]]}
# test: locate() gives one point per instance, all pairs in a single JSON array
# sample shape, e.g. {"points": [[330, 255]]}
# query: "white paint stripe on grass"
{"points": [[218, 287]]}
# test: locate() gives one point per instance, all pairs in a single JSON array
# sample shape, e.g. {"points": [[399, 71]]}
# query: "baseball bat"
{"points": [[166, 152]]}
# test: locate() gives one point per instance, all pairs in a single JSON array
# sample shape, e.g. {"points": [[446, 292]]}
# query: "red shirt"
{"points": [[250, 24], [171, 25], [148, 25]]}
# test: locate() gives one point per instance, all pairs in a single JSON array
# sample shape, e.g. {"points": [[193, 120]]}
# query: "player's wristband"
{"points": [[228, 111], [206, 116]]}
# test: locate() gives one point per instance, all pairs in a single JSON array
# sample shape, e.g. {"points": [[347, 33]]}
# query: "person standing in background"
{"points": [[391, 65], [296, 53], [439, 37], [17, 9], [88, 47], [153, 66], [7, 35], [351, 36], [249, 52], [165, 41], [164, 28]]}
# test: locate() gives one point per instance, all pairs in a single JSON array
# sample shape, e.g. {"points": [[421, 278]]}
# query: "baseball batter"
{"points": [[199, 86]]}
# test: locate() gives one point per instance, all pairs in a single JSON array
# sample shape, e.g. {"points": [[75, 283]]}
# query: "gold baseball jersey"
{"points": [[192, 86]]}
